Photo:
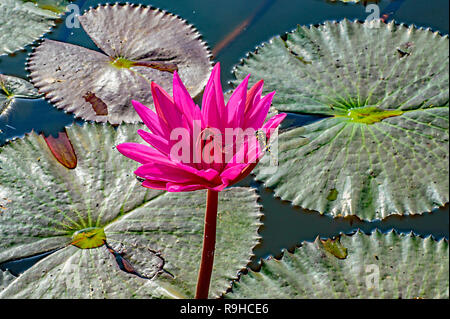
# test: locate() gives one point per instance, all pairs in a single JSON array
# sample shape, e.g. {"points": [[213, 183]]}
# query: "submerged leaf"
{"points": [[12, 87], [382, 147], [149, 234], [140, 45], [388, 266], [23, 22], [62, 149]]}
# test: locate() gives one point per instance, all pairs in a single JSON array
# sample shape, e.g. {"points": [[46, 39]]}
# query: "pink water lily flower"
{"points": [[211, 156], [209, 148]]}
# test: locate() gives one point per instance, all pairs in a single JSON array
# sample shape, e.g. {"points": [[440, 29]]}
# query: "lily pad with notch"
{"points": [[382, 145], [23, 22], [111, 237], [138, 45], [12, 87], [390, 266]]}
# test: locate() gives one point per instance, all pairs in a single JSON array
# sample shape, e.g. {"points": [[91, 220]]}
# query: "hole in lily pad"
{"points": [[143, 262]]}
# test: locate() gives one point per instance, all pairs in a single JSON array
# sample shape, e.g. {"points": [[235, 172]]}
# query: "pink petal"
{"points": [[171, 187], [184, 101], [141, 153], [250, 151], [213, 105], [273, 123], [210, 174], [150, 119], [256, 116], [238, 173], [156, 141], [154, 184], [165, 173], [236, 104], [177, 173], [219, 188], [254, 95], [165, 107], [232, 173]]}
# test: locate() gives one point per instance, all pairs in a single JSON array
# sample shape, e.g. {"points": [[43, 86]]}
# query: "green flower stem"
{"points": [[209, 243]]}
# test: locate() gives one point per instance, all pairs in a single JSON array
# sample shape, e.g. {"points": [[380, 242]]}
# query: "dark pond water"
{"points": [[284, 225]]}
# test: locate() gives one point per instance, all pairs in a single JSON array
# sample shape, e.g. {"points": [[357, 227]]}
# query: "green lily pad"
{"points": [[136, 242], [377, 266], [140, 45], [12, 87], [23, 22], [57, 6], [382, 147]]}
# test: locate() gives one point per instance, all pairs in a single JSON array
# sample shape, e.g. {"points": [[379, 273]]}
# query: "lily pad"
{"points": [[112, 237], [139, 44], [388, 266], [23, 22], [12, 87], [383, 89]]}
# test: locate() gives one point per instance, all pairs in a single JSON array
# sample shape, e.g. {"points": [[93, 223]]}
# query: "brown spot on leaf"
{"points": [[100, 107], [334, 247]]}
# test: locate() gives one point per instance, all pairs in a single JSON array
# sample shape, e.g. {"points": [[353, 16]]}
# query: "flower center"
{"points": [[87, 238], [370, 114], [122, 63]]}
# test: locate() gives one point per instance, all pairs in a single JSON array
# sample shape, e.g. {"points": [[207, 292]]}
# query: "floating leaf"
{"points": [[377, 266], [140, 45], [148, 233], [12, 87], [382, 147], [23, 22]]}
